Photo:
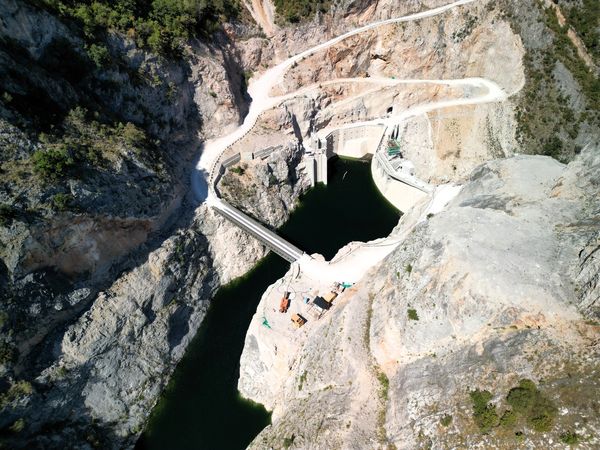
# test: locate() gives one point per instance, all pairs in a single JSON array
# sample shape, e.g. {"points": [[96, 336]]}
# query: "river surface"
{"points": [[201, 407]]}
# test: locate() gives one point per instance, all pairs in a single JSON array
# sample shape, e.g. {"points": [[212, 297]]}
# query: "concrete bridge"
{"points": [[402, 189], [268, 238], [274, 242]]}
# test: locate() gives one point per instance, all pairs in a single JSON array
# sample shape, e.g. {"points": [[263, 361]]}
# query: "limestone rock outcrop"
{"points": [[269, 188], [497, 287]]}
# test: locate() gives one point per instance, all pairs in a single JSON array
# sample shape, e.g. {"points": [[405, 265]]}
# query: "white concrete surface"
{"points": [[403, 196]]}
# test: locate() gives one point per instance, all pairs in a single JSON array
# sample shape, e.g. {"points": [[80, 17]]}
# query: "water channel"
{"points": [[201, 408]]}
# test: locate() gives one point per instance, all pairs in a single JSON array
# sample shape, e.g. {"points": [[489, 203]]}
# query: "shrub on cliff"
{"points": [[296, 10], [53, 163], [99, 55], [61, 202], [160, 25], [133, 135], [484, 412], [528, 401]]}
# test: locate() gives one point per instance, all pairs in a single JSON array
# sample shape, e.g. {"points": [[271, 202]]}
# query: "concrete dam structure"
{"points": [[354, 142], [393, 175]]}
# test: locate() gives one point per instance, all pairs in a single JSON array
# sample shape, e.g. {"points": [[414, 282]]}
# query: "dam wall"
{"points": [[354, 142], [403, 196]]}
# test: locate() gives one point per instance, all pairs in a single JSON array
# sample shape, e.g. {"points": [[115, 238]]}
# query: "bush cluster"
{"points": [[161, 25], [569, 438], [446, 420], [484, 412], [296, 10], [412, 314], [61, 202], [548, 123], [15, 391], [53, 162], [530, 403], [585, 18], [526, 402], [82, 145]]}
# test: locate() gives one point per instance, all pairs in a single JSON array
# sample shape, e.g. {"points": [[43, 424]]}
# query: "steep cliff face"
{"points": [[116, 278], [85, 158], [479, 296], [95, 162], [267, 189], [103, 374]]}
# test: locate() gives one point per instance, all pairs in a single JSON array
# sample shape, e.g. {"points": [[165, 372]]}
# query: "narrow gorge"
{"points": [[283, 224]]}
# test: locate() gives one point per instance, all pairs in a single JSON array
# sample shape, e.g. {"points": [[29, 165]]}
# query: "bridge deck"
{"points": [[276, 243]]}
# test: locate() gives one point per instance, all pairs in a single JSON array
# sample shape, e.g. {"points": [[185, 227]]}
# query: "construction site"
{"points": [[292, 304]]}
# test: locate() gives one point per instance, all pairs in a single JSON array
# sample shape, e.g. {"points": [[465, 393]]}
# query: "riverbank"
{"points": [[201, 407]]}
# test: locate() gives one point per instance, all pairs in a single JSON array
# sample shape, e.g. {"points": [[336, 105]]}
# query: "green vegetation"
{"points": [[520, 436], [547, 121], [470, 22], [569, 438], [367, 328], [384, 386], [585, 18], [529, 402], [301, 380], [484, 412], [446, 420], [238, 170], [133, 135], [161, 25], [61, 373], [7, 353], [53, 162], [412, 314], [247, 75], [99, 55], [18, 426], [567, 54], [508, 419], [82, 144], [296, 10], [61, 202], [17, 390], [408, 268]]}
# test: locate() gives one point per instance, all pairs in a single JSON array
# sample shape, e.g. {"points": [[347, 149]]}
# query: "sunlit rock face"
{"points": [[491, 290]]}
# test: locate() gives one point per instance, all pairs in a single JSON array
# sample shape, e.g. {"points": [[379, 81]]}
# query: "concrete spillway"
{"points": [[276, 243]]}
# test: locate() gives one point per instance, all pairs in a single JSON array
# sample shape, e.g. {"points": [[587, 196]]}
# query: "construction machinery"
{"points": [[298, 320], [284, 304]]}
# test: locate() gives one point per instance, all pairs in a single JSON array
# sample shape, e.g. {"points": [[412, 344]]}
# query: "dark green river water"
{"points": [[201, 408]]}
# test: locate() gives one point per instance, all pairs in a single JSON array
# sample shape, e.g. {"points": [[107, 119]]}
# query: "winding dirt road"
{"points": [[260, 88], [357, 259]]}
